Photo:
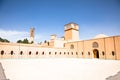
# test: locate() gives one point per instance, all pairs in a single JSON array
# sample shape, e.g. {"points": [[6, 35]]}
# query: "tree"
{"points": [[24, 41], [3, 40], [19, 41]]}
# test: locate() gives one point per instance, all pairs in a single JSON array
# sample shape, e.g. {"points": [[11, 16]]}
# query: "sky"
{"points": [[49, 17]]}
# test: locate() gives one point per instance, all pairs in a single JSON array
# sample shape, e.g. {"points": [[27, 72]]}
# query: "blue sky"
{"points": [[49, 17]]}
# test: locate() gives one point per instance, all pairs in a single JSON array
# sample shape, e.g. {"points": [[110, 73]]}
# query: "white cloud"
{"points": [[13, 35]]}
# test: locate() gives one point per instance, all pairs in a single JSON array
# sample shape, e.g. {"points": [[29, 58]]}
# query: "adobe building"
{"points": [[100, 47], [71, 32]]}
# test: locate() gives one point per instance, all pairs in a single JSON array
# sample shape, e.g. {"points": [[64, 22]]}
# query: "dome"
{"points": [[100, 36]]}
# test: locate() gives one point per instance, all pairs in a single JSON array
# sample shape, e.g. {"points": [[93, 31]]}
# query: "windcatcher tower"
{"points": [[71, 32], [32, 31]]}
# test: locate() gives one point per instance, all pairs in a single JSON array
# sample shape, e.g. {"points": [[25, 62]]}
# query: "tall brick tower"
{"points": [[32, 31], [71, 32]]}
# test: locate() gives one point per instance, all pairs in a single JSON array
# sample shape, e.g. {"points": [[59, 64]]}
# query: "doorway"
{"points": [[96, 53]]}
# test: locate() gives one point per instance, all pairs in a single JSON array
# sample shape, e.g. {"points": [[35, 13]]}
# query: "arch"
{"points": [[30, 52], [72, 53], [49, 53], [71, 46], [103, 53], [113, 53], [55, 53], [11, 52], [95, 45], [43, 53], [64, 53], [88, 53], [21, 52], [60, 53], [36, 52], [76, 53], [2, 52], [82, 53], [96, 53], [68, 53]]}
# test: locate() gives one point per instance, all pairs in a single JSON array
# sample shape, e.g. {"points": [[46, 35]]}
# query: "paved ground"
{"points": [[59, 69], [114, 77], [2, 74]]}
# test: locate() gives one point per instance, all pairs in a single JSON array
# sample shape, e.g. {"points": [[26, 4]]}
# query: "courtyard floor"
{"points": [[59, 69]]}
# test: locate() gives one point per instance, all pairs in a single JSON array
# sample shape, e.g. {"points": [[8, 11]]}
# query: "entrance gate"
{"points": [[96, 53]]}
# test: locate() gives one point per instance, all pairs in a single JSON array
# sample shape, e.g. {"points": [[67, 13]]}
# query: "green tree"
{"points": [[3, 40], [19, 41], [24, 41]]}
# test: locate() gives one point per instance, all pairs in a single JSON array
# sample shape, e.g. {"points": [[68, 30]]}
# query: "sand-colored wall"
{"points": [[109, 47], [59, 43], [100, 48], [26, 48], [117, 47], [105, 47], [68, 35], [75, 35], [72, 35], [80, 49], [7, 48], [85, 47]]}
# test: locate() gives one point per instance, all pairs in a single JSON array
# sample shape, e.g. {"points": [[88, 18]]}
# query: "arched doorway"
{"points": [[96, 53]]}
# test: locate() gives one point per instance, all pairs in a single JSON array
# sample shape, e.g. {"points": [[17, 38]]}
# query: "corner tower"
{"points": [[32, 31], [71, 32]]}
